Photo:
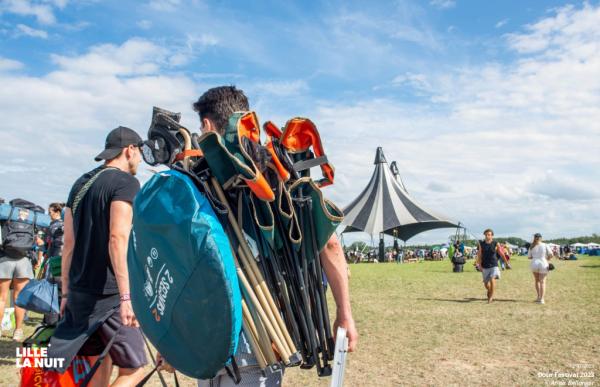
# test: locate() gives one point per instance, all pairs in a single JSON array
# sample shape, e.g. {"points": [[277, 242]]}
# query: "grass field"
{"points": [[421, 324]]}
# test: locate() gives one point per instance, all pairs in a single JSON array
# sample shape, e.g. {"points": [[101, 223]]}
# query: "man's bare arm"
{"points": [[336, 270], [67, 255], [68, 246], [121, 216]]}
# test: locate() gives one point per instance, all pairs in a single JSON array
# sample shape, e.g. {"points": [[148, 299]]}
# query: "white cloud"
{"points": [[201, 40], [144, 24], [280, 88], [41, 10], [571, 31], [501, 23], [60, 119], [60, 3], [9, 64], [76, 26], [443, 4], [405, 22], [437, 186], [23, 30], [418, 82], [164, 5], [563, 187], [134, 57]]}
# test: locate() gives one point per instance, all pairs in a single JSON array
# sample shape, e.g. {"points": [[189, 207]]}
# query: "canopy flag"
{"points": [[385, 206]]}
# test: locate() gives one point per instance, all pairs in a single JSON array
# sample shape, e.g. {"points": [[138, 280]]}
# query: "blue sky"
{"points": [[491, 109]]}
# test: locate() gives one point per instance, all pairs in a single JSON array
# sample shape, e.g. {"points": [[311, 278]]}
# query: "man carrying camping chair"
{"points": [[214, 108]]}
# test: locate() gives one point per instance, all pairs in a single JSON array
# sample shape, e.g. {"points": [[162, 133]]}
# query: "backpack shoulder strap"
{"points": [[83, 190], [10, 214]]}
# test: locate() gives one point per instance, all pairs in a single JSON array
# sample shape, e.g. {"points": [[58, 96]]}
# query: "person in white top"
{"points": [[539, 253]]}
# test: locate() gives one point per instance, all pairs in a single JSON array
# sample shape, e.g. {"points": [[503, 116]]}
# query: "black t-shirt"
{"points": [[55, 238], [488, 254], [91, 270]]}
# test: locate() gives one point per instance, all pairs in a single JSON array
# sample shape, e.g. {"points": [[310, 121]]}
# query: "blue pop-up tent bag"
{"points": [[184, 287], [39, 218], [39, 296]]}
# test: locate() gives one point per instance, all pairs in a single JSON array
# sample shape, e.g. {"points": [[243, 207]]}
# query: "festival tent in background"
{"points": [[385, 207]]}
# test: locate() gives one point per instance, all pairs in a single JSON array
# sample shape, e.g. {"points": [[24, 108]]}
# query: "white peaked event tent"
{"points": [[385, 206]]}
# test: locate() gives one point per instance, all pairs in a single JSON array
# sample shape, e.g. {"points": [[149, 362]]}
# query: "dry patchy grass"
{"points": [[421, 324]]}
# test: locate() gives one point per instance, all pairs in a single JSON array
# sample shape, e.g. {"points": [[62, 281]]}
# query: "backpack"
{"points": [[184, 286], [458, 259], [22, 203], [18, 234]]}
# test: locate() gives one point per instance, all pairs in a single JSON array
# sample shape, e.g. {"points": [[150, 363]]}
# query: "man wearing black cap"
{"points": [[97, 316]]}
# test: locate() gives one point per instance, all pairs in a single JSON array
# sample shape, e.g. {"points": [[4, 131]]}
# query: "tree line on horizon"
{"points": [[594, 238]]}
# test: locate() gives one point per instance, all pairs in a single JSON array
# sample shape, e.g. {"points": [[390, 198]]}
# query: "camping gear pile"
{"points": [[20, 221], [228, 239]]}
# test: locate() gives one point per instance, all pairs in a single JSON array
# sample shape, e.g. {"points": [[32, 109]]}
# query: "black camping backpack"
{"points": [[18, 234]]}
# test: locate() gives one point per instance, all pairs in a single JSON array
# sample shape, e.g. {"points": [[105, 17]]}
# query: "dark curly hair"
{"points": [[218, 103]]}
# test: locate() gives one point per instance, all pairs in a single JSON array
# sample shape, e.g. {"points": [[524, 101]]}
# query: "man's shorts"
{"points": [[489, 273], [128, 349], [15, 268]]}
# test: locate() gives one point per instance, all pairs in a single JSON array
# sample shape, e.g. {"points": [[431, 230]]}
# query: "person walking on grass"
{"points": [[96, 303], [540, 254], [53, 244], [487, 261], [16, 272]]}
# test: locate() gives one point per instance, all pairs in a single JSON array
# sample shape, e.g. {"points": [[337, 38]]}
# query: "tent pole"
{"points": [[381, 248]]}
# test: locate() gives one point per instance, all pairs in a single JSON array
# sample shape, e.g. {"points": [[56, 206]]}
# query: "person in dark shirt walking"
{"points": [[487, 261], [53, 243], [54, 236], [96, 307]]}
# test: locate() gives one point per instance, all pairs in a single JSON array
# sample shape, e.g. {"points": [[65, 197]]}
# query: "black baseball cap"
{"points": [[116, 140], [537, 235]]}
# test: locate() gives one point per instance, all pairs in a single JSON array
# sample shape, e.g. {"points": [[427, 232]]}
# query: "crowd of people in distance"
{"points": [[15, 273], [491, 257]]}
